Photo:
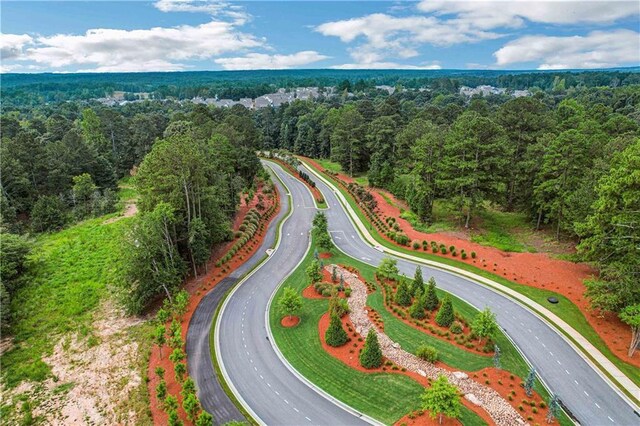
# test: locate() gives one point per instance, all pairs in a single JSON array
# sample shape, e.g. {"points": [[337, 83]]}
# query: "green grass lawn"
{"points": [[384, 396], [360, 178], [566, 310], [68, 277]]}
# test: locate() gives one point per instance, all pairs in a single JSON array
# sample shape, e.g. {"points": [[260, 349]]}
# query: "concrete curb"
{"points": [[580, 344]]}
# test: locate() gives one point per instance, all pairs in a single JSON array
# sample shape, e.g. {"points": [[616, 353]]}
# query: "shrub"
{"points": [[452, 248], [427, 353], [473, 254], [443, 250], [338, 306], [456, 327], [463, 255], [347, 292], [416, 245]]}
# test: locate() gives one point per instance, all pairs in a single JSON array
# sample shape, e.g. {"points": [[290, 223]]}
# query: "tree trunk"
{"points": [[440, 420], [635, 340], [466, 223], [539, 219]]}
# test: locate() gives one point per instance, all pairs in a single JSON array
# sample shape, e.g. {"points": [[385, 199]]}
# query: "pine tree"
{"points": [[403, 294], [554, 408], [418, 307], [432, 297], [496, 357], [371, 355], [418, 282], [445, 315], [530, 381], [335, 335], [442, 398]]}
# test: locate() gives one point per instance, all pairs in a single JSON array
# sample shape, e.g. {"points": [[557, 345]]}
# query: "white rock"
{"points": [[396, 345], [460, 375], [422, 373], [472, 398]]}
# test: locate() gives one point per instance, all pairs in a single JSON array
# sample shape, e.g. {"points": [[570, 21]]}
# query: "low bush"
{"points": [[456, 327], [427, 353]]}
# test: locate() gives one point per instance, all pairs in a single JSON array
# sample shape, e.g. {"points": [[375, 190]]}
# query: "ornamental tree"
{"points": [[403, 294], [290, 303], [335, 335], [371, 355], [445, 315], [387, 268], [417, 309], [418, 281], [442, 399], [432, 300], [484, 324], [314, 273], [554, 408], [530, 381], [204, 419]]}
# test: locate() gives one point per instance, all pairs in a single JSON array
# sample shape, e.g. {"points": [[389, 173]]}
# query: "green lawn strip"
{"points": [[319, 204], [566, 310]]}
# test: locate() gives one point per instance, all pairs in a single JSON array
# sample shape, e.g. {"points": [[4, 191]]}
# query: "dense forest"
{"points": [[567, 156], [62, 165], [30, 90]]}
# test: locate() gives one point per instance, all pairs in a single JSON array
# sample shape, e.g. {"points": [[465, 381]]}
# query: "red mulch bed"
{"points": [[348, 354], [430, 320], [537, 270], [290, 321], [198, 288]]}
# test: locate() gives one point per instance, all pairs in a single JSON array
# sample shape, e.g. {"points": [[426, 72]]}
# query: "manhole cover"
{"points": [[552, 300]]}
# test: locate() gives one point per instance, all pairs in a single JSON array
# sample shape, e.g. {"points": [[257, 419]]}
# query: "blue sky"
{"points": [[166, 35]]}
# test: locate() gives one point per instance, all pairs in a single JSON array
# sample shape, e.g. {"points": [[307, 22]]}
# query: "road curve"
{"points": [[274, 395], [582, 390], [211, 394]]}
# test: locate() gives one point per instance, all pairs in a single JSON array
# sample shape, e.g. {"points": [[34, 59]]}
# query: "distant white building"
{"points": [[389, 89]]}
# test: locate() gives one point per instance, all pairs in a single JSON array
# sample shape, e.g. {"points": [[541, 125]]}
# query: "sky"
{"points": [[188, 35]]}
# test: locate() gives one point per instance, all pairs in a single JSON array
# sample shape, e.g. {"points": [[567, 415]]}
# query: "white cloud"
{"points": [[487, 15], [598, 49], [154, 49], [386, 36], [254, 61], [386, 66], [211, 7], [11, 45]]}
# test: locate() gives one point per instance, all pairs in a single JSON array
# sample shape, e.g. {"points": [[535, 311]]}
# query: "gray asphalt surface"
{"points": [[275, 394], [582, 390], [213, 398]]}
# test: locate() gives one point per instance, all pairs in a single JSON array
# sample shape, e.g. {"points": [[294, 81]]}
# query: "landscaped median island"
{"points": [[538, 283], [336, 286]]}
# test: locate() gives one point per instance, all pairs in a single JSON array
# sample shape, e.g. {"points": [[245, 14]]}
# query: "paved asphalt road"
{"points": [[276, 395], [213, 398], [583, 391]]}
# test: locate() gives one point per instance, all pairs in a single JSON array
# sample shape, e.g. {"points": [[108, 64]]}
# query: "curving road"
{"points": [[276, 396], [583, 391]]}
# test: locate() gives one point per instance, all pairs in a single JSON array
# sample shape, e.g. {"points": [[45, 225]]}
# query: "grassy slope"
{"points": [[386, 397], [566, 310], [68, 277]]}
